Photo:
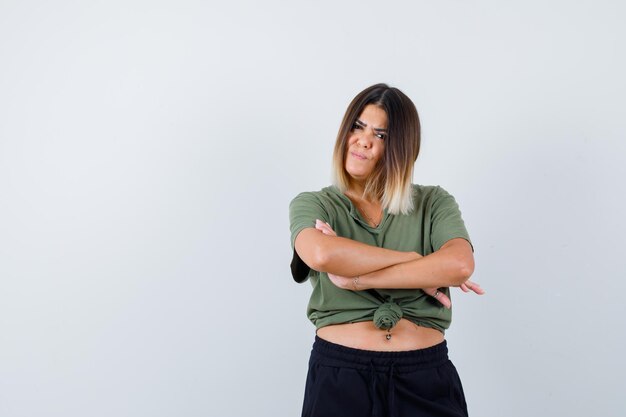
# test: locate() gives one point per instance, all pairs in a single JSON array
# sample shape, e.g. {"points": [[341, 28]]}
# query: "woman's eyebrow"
{"points": [[377, 129]]}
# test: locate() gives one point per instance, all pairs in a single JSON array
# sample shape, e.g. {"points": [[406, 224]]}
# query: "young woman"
{"points": [[381, 254]]}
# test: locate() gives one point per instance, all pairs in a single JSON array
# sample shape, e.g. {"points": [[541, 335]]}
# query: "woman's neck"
{"points": [[356, 190], [356, 193], [370, 209]]}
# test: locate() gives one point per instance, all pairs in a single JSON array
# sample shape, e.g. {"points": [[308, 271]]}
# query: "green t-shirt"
{"points": [[436, 218]]}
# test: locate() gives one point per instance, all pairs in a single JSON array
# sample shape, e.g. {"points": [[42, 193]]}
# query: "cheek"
{"points": [[380, 152], [351, 140]]}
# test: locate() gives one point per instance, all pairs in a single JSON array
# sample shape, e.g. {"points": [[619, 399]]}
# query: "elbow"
{"points": [[313, 249], [463, 271], [321, 258], [459, 260], [466, 273]]}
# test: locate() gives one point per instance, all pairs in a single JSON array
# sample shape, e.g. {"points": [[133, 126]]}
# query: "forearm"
{"points": [[444, 268], [351, 258], [347, 257]]}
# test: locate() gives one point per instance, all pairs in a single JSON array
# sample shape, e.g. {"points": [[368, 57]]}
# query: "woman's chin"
{"points": [[357, 174]]}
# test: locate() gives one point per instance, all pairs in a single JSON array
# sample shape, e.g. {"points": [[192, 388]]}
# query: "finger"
{"points": [[332, 278], [328, 232], [340, 282], [327, 227], [321, 226], [439, 296], [474, 287], [443, 299], [324, 228], [464, 288]]}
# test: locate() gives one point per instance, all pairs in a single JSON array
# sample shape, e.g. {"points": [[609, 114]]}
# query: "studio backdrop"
{"points": [[149, 151]]}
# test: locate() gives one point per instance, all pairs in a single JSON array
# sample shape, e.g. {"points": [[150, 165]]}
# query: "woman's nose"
{"points": [[365, 140]]}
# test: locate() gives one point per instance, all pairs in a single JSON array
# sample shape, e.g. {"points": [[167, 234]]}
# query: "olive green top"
{"points": [[435, 219]]}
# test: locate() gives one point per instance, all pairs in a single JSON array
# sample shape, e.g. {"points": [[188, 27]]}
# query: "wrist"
{"points": [[413, 256], [366, 281]]}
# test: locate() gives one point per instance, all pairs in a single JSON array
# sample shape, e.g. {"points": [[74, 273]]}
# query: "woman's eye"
{"points": [[381, 136], [356, 126]]}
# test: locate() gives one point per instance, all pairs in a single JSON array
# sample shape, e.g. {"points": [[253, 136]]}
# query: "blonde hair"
{"points": [[390, 182]]}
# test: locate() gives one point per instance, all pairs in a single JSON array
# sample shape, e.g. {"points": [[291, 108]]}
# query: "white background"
{"points": [[149, 151]]}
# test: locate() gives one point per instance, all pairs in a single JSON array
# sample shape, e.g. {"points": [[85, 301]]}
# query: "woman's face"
{"points": [[366, 142]]}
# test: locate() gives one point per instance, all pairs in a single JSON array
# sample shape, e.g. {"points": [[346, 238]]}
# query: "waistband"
{"points": [[402, 361]]}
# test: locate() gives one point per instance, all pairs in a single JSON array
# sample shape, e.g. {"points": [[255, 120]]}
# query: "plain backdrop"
{"points": [[149, 151]]}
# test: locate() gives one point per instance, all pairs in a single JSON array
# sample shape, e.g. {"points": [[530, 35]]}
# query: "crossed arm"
{"points": [[343, 259]]}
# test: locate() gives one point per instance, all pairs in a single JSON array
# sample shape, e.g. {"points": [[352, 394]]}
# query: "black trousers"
{"points": [[346, 382]]}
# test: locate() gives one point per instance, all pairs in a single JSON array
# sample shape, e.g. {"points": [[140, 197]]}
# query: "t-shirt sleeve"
{"points": [[304, 209], [446, 221]]}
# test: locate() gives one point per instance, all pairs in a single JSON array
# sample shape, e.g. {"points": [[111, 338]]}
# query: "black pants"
{"points": [[346, 382]]}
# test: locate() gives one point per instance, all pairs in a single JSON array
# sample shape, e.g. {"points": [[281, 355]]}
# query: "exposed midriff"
{"points": [[405, 335]]}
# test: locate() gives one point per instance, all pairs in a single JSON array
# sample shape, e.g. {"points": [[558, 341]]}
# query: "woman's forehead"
{"points": [[374, 116]]}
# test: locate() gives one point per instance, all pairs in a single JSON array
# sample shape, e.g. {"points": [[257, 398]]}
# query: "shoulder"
{"points": [[420, 189], [431, 198], [427, 193], [428, 189], [326, 196]]}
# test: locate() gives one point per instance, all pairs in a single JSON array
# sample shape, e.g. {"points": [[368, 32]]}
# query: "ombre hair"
{"points": [[390, 181]]}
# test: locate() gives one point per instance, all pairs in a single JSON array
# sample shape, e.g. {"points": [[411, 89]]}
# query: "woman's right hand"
{"points": [[467, 286], [439, 296]]}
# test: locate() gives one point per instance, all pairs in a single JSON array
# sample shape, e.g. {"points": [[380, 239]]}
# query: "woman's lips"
{"points": [[358, 156]]}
